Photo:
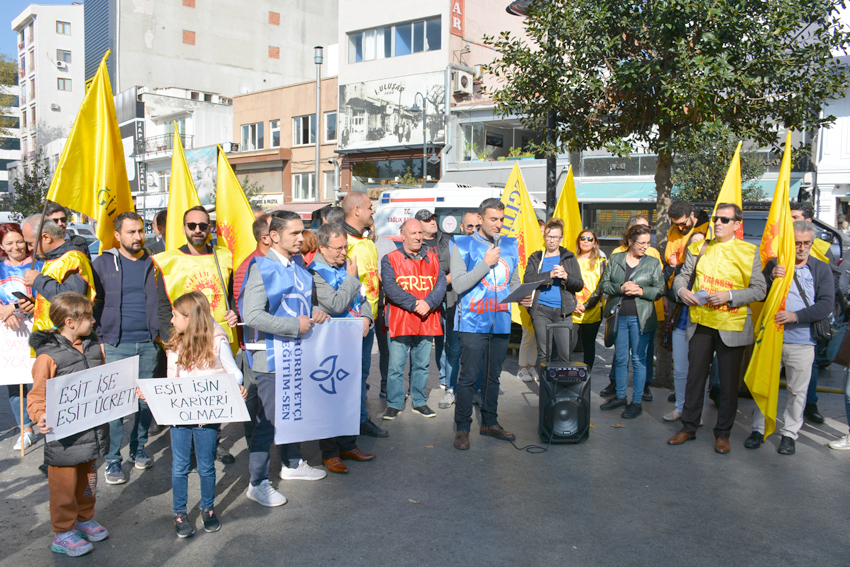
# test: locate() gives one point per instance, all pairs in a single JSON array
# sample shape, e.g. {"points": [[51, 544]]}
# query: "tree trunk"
{"points": [[663, 186]]}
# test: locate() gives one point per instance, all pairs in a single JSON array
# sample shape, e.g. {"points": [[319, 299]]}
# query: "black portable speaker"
{"points": [[564, 408]]}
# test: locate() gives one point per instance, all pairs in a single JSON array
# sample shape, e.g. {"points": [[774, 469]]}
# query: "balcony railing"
{"points": [[164, 143]]}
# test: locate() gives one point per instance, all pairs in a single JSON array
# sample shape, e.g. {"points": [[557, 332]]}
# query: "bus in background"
{"points": [[449, 201]]}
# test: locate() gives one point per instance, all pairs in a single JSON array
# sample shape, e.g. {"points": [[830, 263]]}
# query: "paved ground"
{"points": [[622, 498]]}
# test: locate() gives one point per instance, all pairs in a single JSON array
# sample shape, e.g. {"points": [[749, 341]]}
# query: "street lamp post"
{"points": [[317, 58], [415, 108]]}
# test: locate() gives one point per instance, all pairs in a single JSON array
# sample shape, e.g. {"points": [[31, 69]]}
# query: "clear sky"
{"points": [[8, 10]]}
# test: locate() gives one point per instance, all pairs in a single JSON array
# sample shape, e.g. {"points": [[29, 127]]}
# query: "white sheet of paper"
{"points": [[91, 397], [193, 400], [15, 359], [702, 296]]}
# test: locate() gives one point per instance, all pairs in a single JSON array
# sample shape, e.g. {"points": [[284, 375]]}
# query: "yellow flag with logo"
{"points": [[182, 195], [730, 192], [762, 376], [91, 176], [568, 211], [233, 215], [520, 223]]}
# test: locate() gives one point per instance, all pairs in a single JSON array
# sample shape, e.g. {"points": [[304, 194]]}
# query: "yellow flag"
{"points": [[91, 176], [762, 376], [233, 215], [568, 211], [182, 195], [520, 223], [730, 192]]}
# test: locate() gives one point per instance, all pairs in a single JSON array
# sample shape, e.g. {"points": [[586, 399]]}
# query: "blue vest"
{"points": [[335, 277], [479, 310], [290, 293]]}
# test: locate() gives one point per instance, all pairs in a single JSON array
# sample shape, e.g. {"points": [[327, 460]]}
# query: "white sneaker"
{"points": [[524, 375], [672, 416], [265, 494], [303, 472], [534, 374], [29, 437], [842, 444]]}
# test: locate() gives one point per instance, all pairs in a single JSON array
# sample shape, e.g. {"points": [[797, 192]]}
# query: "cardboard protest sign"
{"points": [[317, 382], [15, 359], [195, 400], [92, 397]]}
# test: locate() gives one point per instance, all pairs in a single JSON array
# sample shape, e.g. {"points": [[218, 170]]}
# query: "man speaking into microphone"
{"points": [[484, 270]]}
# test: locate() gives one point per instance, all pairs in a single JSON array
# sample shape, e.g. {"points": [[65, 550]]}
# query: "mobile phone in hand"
{"points": [[23, 296]]}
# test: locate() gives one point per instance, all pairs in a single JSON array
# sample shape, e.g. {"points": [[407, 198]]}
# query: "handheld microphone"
{"points": [[496, 239]]}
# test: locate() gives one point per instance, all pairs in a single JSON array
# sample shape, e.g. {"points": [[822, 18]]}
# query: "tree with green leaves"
{"points": [[252, 190], [656, 74], [8, 78], [30, 189], [698, 175]]}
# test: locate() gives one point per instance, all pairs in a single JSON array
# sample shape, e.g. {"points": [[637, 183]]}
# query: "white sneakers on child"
{"points": [[29, 438]]}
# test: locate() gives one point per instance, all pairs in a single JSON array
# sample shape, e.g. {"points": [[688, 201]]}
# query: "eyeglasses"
{"points": [[803, 244], [338, 249], [61, 219], [203, 226], [473, 226], [587, 239], [553, 237], [681, 225], [641, 244], [724, 220]]}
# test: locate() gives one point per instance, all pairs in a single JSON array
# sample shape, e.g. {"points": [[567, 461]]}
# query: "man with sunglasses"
{"points": [[58, 214], [471, 223], [728, 278]]}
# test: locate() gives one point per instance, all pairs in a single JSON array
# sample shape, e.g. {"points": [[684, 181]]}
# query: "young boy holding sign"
{"points": [[198, 346], [70, 346]]}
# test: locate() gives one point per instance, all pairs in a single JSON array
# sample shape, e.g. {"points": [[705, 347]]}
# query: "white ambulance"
{"points": [[450, 201]]}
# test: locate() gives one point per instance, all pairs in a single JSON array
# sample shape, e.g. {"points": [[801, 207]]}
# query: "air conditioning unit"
{"points": [[61, 65], [478, 75], [462, 83], [54, 106]]}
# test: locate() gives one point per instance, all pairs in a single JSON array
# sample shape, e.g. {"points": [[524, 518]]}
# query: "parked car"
{"points": [[81, 229]]}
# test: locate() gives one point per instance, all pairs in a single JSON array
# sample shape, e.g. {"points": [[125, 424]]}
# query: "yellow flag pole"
{"points": [[220, 277]]}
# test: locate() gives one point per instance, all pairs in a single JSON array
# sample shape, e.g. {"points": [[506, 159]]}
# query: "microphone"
{"points": [[496, 239]]}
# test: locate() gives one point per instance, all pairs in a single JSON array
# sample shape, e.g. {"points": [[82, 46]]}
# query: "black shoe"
{"points": [[647, 394], [211, 523], [609, 390], [391, 414], [222, 455], [754, 441], [786, 446], [182, 525], [632, 411], [371, 430], [613, 403], [812, 414], [425, 411], [672, 397], [714, 394]]}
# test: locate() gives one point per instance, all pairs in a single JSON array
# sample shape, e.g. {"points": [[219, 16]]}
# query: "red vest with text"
{"points": [[417, 277]]}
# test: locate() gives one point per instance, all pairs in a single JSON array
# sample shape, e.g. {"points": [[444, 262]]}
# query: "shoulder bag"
{"points": [[821, 329]]}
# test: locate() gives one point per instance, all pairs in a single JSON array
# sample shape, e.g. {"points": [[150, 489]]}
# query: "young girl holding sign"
{"points": [[72, 462], [198, 346]]}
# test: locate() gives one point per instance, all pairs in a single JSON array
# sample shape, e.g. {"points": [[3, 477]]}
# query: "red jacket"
{"points": [[421, 279]]}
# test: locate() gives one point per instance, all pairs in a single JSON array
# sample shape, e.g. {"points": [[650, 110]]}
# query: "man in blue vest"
{"points": [[276, 299], [484, 270], [337, 293]]}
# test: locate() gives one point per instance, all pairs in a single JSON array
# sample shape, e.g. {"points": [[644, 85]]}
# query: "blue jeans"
{"points": [[450, 360], [368, 341], [419, 349], [650, 360], [439, 350], [847, 395], [630, 337], [205, 439], [149, 354], [263, 436], [15, 402]]}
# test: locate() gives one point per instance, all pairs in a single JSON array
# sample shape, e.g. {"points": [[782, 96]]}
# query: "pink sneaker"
{"points": [[91, 531], [70, 544]]}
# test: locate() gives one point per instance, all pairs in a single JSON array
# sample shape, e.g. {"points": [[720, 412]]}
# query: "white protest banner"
{"points": [[191, 400], [82, 400], [317, 382], [15, 360]]}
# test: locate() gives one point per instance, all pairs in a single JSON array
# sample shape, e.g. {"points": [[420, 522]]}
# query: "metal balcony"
{"points": [[164, 143]]}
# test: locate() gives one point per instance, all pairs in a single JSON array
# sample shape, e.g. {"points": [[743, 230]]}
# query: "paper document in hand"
{"points": [[702, 296]]}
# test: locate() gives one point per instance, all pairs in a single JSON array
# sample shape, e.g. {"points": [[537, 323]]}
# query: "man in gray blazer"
{"points": [[728, 278]]}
